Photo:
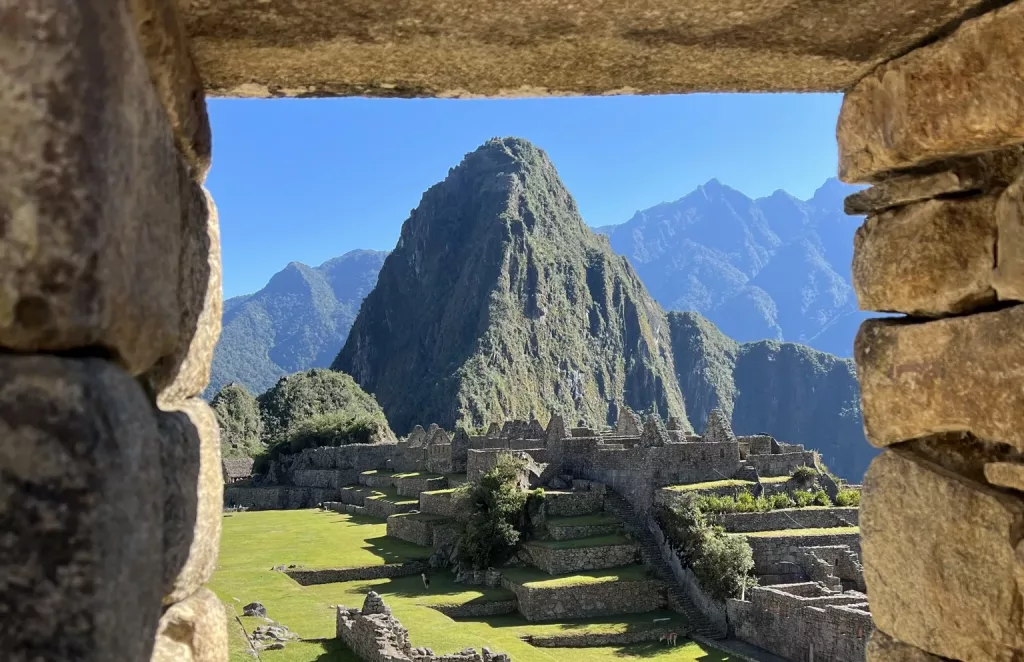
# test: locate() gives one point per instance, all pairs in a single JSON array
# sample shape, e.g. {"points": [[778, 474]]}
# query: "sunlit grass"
{"points": [[833, 531]]}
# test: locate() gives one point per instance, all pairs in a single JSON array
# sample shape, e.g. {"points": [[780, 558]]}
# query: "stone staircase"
{"points": [[650, 551]]}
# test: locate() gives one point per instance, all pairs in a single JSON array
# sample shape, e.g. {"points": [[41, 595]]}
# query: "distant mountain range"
{"points": [[771, 268], [298, 321]]}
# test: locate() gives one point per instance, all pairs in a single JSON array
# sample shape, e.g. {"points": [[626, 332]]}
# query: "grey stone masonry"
{"points": [[588, 600], [717, 429], [804, 622], [556, 560]]}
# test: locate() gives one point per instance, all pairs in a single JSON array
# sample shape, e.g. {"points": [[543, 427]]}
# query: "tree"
{"points": [[497, 506], [238, 416]]}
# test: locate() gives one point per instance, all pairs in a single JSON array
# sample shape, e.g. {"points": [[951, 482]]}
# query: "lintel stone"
{"points": [[962, 94], [959, 374], [89, 194], [940, 560]]}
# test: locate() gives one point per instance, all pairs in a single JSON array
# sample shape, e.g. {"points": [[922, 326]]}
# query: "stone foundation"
{"points": [[789, 518], [562, 561], [588, 600]]}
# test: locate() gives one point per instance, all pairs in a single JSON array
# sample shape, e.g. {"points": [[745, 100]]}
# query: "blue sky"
{"points": [[306, 180]]}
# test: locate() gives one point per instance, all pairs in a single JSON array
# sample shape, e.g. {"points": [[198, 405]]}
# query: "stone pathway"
{"points": [[636, 525]]}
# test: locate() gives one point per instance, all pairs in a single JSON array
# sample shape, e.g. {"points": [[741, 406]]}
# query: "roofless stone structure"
{"points": [[110, 291]]}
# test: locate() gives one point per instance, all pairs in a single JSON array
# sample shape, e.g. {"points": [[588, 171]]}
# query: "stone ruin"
{"points": [[119, 298], [375, 635]]}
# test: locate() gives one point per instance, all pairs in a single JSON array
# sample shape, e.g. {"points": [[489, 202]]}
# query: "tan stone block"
{"points": [[929, 258], [80, 512], [185, 372], [89, 187], [964, 93], [1005, 474], [193, 497], [193, 630], [883, 648], [1009, 274], [961, 374], [939, 560], [161, 34]]}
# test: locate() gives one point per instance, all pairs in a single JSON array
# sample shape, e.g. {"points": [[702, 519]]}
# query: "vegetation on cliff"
{"points": [[795, 393], [498, 301], [241, 426]]}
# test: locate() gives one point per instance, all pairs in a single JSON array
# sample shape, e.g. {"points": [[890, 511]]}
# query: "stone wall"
{"points": [[781, 464], [558, 532], [422, 529], [560, 561], [277, 498], [776, 556], [374, 635], [788, 518], [325, 478], [411, 486], [809, 624], [442, 503], [592, 639], [588, 600], [307, 577], [475, 609], [559, 503], [713, 610]]}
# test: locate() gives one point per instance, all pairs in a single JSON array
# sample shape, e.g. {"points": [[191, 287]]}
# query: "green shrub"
{"points": [[781, 500], [499, 514], [336, 428], [721, 563], [848, 498], [804, 476], [238, 417], [803, 498], [821, 499]]}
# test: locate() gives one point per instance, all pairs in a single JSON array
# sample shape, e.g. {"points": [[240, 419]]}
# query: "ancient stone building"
{"points": [[110, 274]]}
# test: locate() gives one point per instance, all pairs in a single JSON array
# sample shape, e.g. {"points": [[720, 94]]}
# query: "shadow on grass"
{"points": [[412, 588], [652, 649], [393, 550], [334, 651]]}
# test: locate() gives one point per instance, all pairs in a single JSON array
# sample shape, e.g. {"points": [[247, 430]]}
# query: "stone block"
{"points": [[193, 630], [193, 497], [961, 94], [185, 372], [961, 374], [1005, 474], [883, 648], [89, 187], [929, 258], [1009, 274], [939, 560], [161, 34], [80, 511]]}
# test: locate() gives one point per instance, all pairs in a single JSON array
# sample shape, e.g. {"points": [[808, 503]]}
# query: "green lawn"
{"points": [[537, 578], [774, 479], [710, 485], [592, 541], [593, 519], [253, 542], [836, 530], [392, 496]]}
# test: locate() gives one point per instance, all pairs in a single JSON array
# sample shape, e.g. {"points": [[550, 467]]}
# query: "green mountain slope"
{"points": [[498, 300], [298, 321], [793, 392]]}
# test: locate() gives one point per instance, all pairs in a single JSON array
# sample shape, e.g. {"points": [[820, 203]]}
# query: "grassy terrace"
{"points": [[417, 474], [594, 519], [392, 496], [592, 541], [775, 479], [536, 578], [833, 531], [445, 491], [253, 542], [710, 485]]}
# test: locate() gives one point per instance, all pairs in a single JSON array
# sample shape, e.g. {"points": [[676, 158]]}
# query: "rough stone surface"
{"points": [[80, 511], [1005, 474], [161, 33], [961, 374], [883, 648], [193, 498], [1009, 274], [185, 372], [537, 47], [89, 193], [193, 630], [964, 93], [588, 600], [939, 560], [928, 258]]}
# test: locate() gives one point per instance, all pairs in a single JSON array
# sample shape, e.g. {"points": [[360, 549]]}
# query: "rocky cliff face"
{"points": [[498, 300], [791, 391]]}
